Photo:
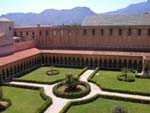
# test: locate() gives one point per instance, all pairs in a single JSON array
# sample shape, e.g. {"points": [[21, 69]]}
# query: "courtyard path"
{"points": [[59, 103]]}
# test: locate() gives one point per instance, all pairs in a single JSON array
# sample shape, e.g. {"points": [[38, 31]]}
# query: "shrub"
{"points": [[119, 109], [125, 76], [129, 78], [71, 95]]}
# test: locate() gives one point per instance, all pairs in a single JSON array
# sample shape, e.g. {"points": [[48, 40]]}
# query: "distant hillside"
{"points": [[51, 16], [138, 8]]}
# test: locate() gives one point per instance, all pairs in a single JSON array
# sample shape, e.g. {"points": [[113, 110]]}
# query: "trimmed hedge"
{"points": [[84, 69], [48, 100], [142, 76], [52, 72], [2, 108], [72, 95], [79, 102], [129, 78], [93, 74], [91, 99], [47, 103]]}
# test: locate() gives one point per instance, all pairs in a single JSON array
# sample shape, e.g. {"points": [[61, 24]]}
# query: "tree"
{"points": [[71, 82], [125, 72]]}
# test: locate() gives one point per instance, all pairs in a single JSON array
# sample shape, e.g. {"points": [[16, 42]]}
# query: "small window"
{"points": [[148, 32], [102, 32], [27, 33], [46, 33], [110, 32], [139, 32], [120, 32], [33, 33], [129, 32], [40, 33], [9, 28], [84, 32], [20, 33], [93, 32]]}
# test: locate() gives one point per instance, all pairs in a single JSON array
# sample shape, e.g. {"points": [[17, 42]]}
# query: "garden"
{"points": [[44, 75], [23, 100], [106, 105], [108, 80]]}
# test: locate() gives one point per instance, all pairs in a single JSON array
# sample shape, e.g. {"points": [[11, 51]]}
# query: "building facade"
{"points": [[108, 42]]}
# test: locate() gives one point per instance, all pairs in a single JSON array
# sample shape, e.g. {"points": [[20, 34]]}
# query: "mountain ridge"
{"points": [[51, 16], [75, 15]]}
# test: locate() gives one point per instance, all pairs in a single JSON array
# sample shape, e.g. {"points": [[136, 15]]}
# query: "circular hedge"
{"points": [[52, 72], [73, 94], [129, 78]]}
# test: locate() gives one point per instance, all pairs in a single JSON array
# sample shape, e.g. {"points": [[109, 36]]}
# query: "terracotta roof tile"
{"points": [[18, 56], [30, 52]]}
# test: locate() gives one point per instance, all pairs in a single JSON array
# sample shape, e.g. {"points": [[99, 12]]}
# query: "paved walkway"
{"points": [[59, 103]]}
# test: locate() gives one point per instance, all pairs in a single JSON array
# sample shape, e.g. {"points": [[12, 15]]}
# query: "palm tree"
{"points": [[71, 82]]}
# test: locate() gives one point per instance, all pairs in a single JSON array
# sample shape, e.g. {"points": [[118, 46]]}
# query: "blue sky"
{"points": [[7, 6]]}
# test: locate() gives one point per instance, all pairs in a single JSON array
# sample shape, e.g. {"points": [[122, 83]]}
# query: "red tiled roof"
{"points": [[18, 56], [82, 52], [30, 52]]}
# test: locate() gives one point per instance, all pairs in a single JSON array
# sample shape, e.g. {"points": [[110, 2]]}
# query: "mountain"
{"points": [[138, 8], [51, 16]]}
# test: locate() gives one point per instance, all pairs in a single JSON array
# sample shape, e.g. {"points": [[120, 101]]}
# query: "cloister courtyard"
{"points": [[32, 92]]}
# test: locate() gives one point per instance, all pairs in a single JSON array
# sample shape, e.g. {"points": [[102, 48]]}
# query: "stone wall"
{"points": [[117, 38]]}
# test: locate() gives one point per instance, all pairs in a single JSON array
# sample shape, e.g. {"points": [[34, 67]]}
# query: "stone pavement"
{"points": [[59, 103]]}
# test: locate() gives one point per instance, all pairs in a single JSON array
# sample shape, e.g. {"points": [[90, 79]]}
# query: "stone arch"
{"points": [[3, 74], [87, 62], [110, 63], [7, 73], [95, 63], [125, 63], [105, 63], [140, 65], [78, 61], [120, 64], [114, 64], [135, 65], [100, 63], [15, 69], [91, 62]]}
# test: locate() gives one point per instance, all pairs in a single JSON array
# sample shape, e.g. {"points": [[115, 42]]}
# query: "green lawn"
{"points": [[23, 100], [105, 106], [107, 79], [40, 74]]}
